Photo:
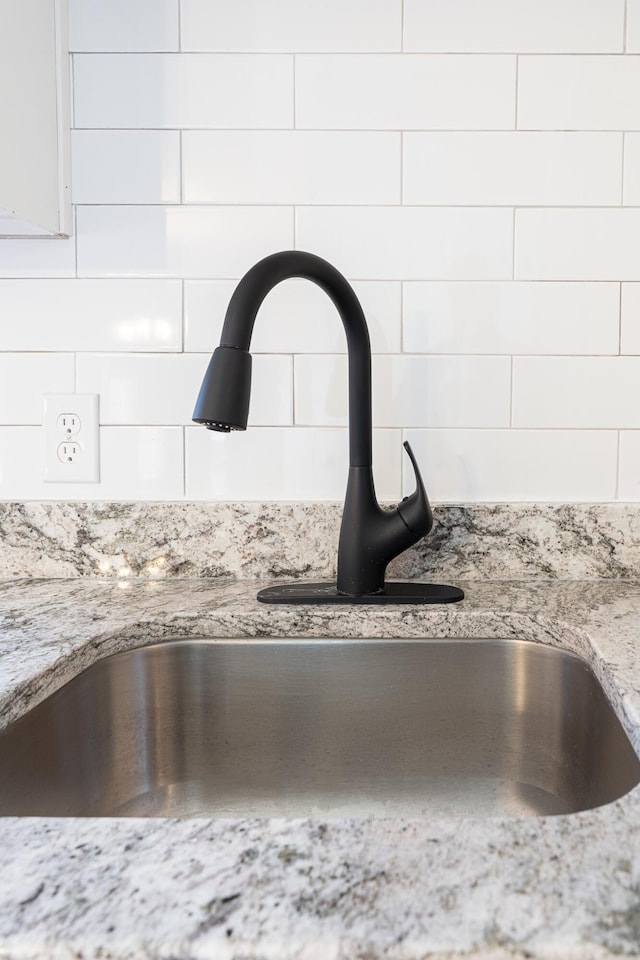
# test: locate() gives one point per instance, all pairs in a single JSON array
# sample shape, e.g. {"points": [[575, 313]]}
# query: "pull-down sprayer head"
{"points": [[223, 401]]}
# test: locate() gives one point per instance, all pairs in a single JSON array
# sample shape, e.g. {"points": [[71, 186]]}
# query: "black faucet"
{"points": [[370, 537]]}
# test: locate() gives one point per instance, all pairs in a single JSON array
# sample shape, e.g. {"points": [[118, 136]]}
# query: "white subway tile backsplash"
{"points": [[576, 392], [126, 166], [136, 463], [183, 90], [630, 319], [154, 458], [295, 25], [295, 317], [394, 92], [629, 480], [460, 162], [511, 317], [577, 244], [23, 380], [271, 390], [513, 168], [130, 25], [410, 243], [91, 315], [290, 166], [408, 391], [507, 26], [578, 93], [37, 258], [537, 465], [631, 196], [178, 241], [633, 26], [21, 463], [160, 389], [283, 464]]}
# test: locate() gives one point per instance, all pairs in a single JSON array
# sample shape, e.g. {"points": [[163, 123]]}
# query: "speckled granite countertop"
{"points": [[564, 886]]}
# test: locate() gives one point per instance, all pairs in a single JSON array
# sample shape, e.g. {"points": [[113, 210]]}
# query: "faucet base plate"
{"points": [[394, 592]]}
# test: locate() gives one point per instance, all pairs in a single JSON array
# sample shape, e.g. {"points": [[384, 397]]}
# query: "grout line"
{"points": [[132, 352], [511, 393], [184, 461], [388, 53], [293, 389], [543, 131], [402, 26], [180, 26], [72, 91], [620, 319], [182, 324], [282, 204], [75, 240], [344, 426], [361, 205], [624, 26], [294, 90], [172, 278], [286, 352]]}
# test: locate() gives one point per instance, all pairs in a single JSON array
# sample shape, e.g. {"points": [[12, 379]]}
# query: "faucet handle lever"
{"points": [[415, 509]]}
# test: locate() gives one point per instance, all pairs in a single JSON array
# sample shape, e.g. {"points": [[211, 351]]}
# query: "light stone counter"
{"points": [[562, 887]]}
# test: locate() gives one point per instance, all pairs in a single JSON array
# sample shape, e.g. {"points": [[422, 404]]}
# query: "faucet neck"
{"points": [[245, 303]]}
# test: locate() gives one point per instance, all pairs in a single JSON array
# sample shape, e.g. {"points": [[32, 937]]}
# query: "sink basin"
{"points": [[326, 728]]}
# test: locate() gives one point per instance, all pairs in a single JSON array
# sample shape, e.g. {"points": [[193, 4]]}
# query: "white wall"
{"points": [[472, 166]]}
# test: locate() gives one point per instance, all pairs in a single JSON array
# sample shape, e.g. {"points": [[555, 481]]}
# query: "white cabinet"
{"points": [[34, 118]]}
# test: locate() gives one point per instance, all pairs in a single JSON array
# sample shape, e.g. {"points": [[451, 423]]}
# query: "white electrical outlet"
{"points": [[68, 424], [70, 452], [71, 438]]}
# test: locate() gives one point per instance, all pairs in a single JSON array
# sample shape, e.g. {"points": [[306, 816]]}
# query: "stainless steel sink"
{"points": [[329, 728]]}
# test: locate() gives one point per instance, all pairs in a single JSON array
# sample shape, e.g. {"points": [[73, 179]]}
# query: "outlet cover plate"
{"points": [[84, 468]]}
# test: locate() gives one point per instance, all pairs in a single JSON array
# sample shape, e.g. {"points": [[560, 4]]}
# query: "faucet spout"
{"points": [[369, 537], [243, 308]]}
